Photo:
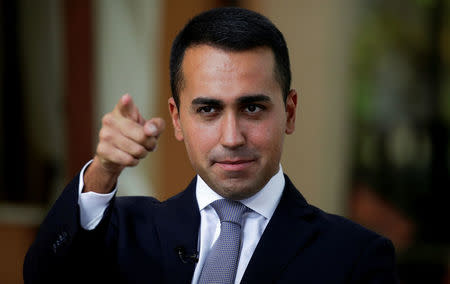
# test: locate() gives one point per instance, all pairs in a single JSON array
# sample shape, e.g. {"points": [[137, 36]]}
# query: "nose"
{"points": [[232, 134]]}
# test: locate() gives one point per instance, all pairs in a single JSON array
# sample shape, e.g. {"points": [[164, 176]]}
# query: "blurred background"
{"points": [[372, 137]]}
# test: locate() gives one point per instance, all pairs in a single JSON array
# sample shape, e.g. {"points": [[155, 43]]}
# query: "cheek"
{"points": [[267, 136], [199, 139]]}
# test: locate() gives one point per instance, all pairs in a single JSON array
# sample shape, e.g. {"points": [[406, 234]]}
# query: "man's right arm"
{"points": [[61, 246], [124, 139]]}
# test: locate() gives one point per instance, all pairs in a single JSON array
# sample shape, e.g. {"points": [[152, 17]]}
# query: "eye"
{"points": [[206, 109], [252, 108]]}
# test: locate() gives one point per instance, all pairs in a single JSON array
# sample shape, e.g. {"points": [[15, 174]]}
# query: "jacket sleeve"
{"points": [[64, 252]]}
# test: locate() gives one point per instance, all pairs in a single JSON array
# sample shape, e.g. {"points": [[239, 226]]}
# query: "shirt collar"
{"points": [[264, 202]]}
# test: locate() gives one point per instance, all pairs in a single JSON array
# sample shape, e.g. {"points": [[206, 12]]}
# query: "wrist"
{"points": [[98, 178]]}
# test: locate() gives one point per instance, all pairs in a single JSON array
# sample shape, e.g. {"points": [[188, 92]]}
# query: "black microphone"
{"points": [[184, 257]]}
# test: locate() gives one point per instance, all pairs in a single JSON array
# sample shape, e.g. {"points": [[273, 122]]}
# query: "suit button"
{"points": [[60, 240]]}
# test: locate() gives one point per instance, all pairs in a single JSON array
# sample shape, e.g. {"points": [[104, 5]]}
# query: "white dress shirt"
{"points": [[262, 205], [92, 204]]}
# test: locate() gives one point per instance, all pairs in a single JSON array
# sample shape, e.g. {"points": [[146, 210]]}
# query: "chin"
{"points": [[236, 188], [235, 192]]}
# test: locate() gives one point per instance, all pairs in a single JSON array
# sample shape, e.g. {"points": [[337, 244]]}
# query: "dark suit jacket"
{"points": [[140, 240]]}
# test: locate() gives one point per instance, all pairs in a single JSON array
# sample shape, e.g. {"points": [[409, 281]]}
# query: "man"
{"points": [[240, 220]]}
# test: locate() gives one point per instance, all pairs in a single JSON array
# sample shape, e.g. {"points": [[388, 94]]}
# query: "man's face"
{"points": [[232, 118]]}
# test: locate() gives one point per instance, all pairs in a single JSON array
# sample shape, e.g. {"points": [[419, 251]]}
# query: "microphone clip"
{"points": [[186, 258]]}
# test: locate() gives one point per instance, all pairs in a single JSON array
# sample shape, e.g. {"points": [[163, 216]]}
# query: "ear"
{"points": [[175, 114], [291, 109]]}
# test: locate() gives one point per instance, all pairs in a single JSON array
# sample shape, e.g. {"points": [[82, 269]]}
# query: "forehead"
{"points": [[211, 71]]}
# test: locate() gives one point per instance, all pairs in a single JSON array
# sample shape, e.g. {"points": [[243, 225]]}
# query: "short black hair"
{"points": [[230, 28]]}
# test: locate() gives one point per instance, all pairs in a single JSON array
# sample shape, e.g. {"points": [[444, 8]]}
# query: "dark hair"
{"points": [[234, 29]]}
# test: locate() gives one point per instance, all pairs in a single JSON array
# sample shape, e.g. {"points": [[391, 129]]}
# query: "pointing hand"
{"points": [[124, 139]]}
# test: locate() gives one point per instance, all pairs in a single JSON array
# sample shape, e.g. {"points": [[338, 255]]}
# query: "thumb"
{"points": [[154, 127]]}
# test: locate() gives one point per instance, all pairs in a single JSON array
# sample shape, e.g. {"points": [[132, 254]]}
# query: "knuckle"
{"points": [[104, 152], [131, 162], [139, 151], [107, 119], [100, 150], [135, 162], [105, 155], [104, 135], [128, 160], [140, 136]]}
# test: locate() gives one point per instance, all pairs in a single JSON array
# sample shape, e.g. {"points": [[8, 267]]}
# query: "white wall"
{"points": [[318, 34], [127, 47]]}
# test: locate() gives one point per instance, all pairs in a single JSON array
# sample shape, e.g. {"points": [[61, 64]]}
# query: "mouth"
{"points": [[235, 164]]}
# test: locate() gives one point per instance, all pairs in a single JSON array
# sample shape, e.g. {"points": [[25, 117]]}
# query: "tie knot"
{"points": [[229, 210]]}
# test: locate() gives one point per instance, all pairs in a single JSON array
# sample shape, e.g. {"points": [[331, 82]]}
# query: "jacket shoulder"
{"points": [[343, 227]]}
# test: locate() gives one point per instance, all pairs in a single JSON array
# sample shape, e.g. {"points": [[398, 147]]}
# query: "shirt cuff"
{"points": [[92, 204]]}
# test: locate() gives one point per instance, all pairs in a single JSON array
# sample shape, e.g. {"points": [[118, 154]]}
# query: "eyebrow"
{"points": [[206, 101], [241, 100], [253, 98]]}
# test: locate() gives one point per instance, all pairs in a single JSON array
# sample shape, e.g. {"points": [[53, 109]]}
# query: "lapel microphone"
{"points": [[184, 257]]}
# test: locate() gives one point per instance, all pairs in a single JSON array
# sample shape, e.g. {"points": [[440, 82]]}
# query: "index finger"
{"points": [[127, 108]]}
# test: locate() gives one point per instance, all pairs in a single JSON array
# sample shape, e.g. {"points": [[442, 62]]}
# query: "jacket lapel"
{"points": [[178, 223], [288, 232]]}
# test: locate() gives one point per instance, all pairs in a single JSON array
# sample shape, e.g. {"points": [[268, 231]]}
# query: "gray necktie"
{"points": [[222, 261]]}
